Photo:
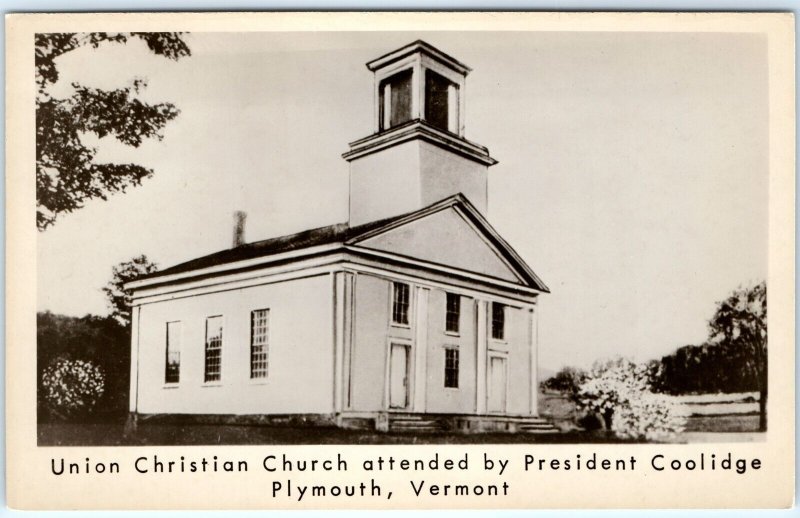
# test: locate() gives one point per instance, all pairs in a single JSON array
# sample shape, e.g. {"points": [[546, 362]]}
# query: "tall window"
{"points": [[172, 372], [400, 303], [498, 321], [259, 343], [451, 367], [213, 364], [395, 93], [453, 312], [441, 102]]}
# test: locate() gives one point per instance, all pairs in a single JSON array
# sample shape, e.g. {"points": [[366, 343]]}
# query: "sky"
{"points": [[632, 172]]}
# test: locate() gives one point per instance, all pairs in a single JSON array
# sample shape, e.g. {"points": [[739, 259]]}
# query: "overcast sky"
{"points": [[632, 176]]}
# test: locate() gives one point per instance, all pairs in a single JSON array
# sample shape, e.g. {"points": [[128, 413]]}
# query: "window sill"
{"points": [[171, 385], [452, 333], [211, 384], [258, 381], [403, 326]]}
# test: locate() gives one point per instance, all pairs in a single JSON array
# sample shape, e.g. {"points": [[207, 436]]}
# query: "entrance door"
{"points": [[497, 384], [398, 376]]}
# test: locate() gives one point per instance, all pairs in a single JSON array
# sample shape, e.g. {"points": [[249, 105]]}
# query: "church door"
{"points": [[398, 376], [497, 384]]}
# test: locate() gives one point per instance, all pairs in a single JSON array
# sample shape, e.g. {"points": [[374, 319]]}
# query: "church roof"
{"points": [[337, 233], [344, 234]]}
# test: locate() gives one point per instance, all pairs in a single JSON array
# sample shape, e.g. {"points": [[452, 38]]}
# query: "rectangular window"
{"points": [[259, 343], [400, 303], [498, 321], [213, 364], [451, 367], [172, 372], [395, 102], [453, 313]]}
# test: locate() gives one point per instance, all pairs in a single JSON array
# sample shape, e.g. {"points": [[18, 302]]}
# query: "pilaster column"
{"points": [[421, 349], [134, 382], [534, 350], [338, 340], [480, 363]]}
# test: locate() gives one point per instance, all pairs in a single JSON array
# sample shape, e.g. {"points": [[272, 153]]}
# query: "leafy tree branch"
{"points": [[66, 172]]}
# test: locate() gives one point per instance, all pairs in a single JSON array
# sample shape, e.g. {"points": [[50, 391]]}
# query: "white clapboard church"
{"points": [[413, 315]]}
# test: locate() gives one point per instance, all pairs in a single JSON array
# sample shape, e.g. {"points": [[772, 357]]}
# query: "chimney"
{"points": [[239, 219]]}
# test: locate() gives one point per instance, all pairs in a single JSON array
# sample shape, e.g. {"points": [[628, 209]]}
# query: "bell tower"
{"points": [[418, 154]]}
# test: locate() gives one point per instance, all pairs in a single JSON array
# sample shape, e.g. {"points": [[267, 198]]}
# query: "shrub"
{"points": [[72, 387], [618, 390], [567, 380], [650, 416], [99, 340]]}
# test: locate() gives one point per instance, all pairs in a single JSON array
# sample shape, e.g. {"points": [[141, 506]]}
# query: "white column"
{"points": [[421, 349], [377, 103], [134, 382], [453, 122], [480, 362], [462, 103], [348, 316], [338, 340], [418, 92], [534, 345]]}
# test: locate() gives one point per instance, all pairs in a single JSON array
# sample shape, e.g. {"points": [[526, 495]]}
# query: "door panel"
{"points": [[398, 376], [497, 384]]}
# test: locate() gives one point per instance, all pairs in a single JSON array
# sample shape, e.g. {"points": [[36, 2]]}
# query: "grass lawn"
{"points": [[556, 407], [97, 434], [723, 423]]}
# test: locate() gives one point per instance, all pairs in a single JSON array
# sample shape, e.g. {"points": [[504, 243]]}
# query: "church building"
{"points": [[414, 315]]}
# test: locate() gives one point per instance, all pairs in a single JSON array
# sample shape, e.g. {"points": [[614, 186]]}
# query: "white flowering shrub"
{"points": [[72, 387], [619, 392], [650, 416]]}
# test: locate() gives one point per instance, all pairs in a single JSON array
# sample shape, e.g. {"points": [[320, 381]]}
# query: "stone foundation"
{"points": [[377, 421]]}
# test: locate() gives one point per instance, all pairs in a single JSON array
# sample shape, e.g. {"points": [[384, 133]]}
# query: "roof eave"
{"points": [[221, 269], [423, 47]]}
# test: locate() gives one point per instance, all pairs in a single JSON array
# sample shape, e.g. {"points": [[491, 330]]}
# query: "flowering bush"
{"points": [[650, 416], [72, 387], [618, 390]]}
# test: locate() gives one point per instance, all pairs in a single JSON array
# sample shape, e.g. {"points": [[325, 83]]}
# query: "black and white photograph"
{"points": [[258, 229], [397, 237]]}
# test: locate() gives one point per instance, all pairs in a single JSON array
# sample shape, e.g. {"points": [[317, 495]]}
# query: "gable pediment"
{"points": [[452, 235]]}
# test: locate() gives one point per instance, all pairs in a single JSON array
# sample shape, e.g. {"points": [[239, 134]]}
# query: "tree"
{"points": [[567, 380], [740, 324], [119, 300], [66, 173]]}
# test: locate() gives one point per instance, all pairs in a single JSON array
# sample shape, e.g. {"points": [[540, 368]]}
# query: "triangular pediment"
{"points": [[452, 234]]}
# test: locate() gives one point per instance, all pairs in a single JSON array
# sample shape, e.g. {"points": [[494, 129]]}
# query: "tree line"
{"points": [[707, 368]]}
